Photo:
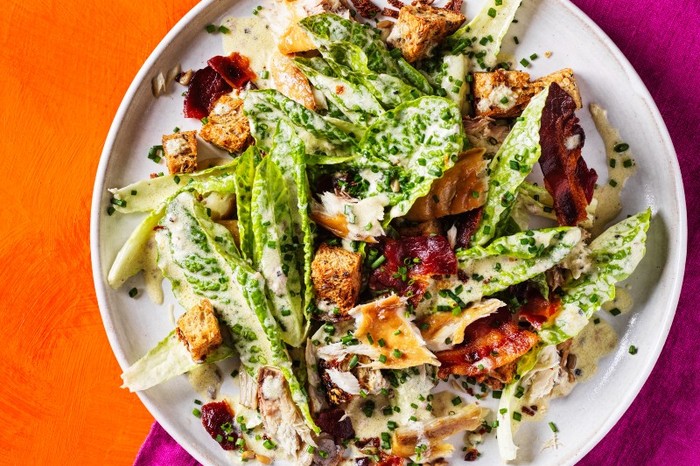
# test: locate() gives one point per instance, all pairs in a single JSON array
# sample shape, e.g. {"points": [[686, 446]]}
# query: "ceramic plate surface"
{"points": [[604, 76]]}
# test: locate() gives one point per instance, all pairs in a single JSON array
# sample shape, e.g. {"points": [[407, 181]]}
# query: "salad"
{"points": [[374, 246]]}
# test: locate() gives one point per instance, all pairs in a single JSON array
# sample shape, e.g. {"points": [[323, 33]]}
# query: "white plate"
{"points": [[604, 75]]}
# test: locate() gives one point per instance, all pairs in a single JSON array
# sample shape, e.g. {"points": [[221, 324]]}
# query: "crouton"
{"points": [[504, 94], [199, 330], [180, 150], [420, 28], [227, 126], [501, 93], [565, 79], [335, 273]]}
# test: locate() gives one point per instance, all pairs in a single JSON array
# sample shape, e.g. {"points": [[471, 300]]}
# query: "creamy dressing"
{"points": [[589, 346], [252, 38], [623, 301], [621, 166], [205, 380]]}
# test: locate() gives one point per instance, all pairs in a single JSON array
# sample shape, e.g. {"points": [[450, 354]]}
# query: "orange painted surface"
{"points": [[64, 67]]}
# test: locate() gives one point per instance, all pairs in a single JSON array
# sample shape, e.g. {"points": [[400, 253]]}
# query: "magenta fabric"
{"points": [[661, 38]]}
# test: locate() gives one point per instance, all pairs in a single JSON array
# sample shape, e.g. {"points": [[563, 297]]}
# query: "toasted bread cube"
{"points": [[565, 79], [504, 94], [336, 277], [227, 126], [501, 93], [180, 151], [420, 28], [199, 330]]}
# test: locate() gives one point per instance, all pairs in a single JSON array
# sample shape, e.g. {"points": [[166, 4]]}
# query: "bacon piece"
{"points": [[409, 261], [466, 225], [454, 5], [391, 13], [566, 175], [538, 311], [398, 4], [235, 69], [489, 343], [205, 89]]}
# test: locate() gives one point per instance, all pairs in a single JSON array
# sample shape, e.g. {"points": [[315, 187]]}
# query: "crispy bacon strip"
{"points": [[489, 343], [566, 175], [391, 13]]}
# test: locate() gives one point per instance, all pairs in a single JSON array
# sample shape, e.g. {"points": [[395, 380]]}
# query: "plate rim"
{"points": [[140, 78]]}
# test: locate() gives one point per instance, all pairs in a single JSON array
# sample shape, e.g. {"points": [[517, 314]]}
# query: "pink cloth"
{"points": [[661, 38]]}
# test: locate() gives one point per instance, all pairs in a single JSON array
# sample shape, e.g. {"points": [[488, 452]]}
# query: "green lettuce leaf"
{"points": [[326, 29], [150, 194], [356, 102], [615, 255], [200, 259], [289, 155], [245, 174], [276, 250], [481, 38], [507, 261], [325, 141], [168, 359], [509, 167]]}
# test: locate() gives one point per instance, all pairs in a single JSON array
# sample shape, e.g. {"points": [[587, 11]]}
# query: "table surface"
{"points": [[64, 69]]}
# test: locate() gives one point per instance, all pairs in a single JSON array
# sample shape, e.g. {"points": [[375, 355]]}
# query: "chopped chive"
{"points": [[633, 349], [516, 40], [524, 62], [196, 412], [210, 28], [197, 402], [396, 353], [380, 260], [323, 454], [534, 56], [621, 147], [613, 162], [496, 394], [381, 342], [133, 292], [382, 358], [110, 210], [269, 444], [176, 179], [353, 361], [517, 416], [219, 438], [223, 29], [503, 410], [155, 152], [612, 183], [627, 163], [456, 401], [118, 202], [397, 332], [204, 120], [553, 426], [134, 192], [492, 12], [264, 74], [391, 425], [615, 311], [311, 449], [176, 129]]}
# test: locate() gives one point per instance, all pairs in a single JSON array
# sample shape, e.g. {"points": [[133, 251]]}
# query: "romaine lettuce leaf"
{"points": [[509, 167], [355, 100], [326, 29], [507, 261], [200, 259], [615, 255], [245, 174], [325, 141], [480, 39], [150, 194], [169, 358], [276, 250]]}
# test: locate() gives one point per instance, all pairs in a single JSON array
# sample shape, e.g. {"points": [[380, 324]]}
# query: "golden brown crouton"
{"points": [[565, 79], [420, 28], [227, 126], [199, 330], [501, 93], [336, 277], [180, 150], [504, 94]]}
